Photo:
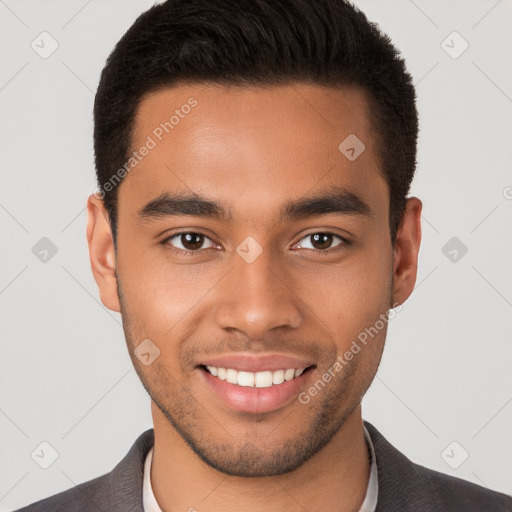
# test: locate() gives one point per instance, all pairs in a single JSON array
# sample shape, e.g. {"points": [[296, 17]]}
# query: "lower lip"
{"points": [[252, 399]]}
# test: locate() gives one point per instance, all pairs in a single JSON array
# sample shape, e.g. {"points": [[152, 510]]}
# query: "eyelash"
{"points": [[344, 243]]}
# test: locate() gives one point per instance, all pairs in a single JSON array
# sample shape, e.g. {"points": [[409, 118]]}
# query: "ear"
{"points": [[405, 251], [102, 252]]}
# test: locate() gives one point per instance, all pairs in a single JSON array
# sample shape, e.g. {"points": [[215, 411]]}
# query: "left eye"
{"points": [[321, 241]]}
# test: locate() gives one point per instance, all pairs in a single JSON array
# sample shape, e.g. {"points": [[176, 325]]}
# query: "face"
{"points": [[251, 248]]}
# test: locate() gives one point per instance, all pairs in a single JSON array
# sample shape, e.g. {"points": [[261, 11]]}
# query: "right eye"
{"points": [[187, 242]]}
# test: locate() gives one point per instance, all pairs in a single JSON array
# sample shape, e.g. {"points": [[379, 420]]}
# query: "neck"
{"points": [[335, 477]]}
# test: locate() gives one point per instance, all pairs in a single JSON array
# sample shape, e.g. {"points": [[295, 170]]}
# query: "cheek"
{"points": [[351, 301], [159, 295], [350, 293]]}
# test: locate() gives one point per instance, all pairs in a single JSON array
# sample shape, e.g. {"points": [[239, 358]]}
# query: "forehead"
{"points": [[253, 146]]}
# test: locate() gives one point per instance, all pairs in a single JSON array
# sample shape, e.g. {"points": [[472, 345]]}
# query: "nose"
{"points": [[257, 297]]}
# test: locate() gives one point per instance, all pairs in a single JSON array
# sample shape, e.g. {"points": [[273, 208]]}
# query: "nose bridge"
{"points": [[254, 297]]}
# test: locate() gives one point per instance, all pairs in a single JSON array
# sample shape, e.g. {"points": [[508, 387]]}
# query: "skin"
{"points": [[253, 149]]}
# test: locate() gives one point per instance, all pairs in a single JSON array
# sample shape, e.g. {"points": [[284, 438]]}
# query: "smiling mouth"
{"points": [[261, 379]]}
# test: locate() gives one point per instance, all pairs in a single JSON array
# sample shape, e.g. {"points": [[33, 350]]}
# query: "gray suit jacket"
{"points": [[403, 486]]}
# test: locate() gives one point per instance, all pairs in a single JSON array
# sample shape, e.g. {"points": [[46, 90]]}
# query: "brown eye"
{"points": [[188, 241], [321, 241], [192, 241]]}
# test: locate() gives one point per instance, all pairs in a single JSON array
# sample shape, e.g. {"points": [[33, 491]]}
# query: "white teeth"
{"points": [[262, 379], [278, 377], [231, 376], [246, 379], [289, 374]]}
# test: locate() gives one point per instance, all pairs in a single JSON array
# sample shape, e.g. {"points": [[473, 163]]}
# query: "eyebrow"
{"points": [[338, 201]]}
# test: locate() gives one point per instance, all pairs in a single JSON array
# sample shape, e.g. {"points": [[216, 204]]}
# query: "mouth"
{"points": [[255, 392], [261, 379]]}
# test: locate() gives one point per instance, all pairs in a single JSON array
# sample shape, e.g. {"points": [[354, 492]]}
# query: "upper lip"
{"points": [[257, 363]]}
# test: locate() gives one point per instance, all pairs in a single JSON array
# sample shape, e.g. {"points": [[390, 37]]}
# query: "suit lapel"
{"points": [[401, 486], [124, 483]]}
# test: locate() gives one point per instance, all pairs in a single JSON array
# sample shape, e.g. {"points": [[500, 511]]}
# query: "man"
{"points": [[251, 223]]}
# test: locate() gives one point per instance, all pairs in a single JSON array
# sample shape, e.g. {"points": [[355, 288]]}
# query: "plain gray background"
{"points": [[66, 377]]}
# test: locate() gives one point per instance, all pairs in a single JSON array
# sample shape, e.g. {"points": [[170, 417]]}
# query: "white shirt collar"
{"points": [[369, 504], [149, 503]]}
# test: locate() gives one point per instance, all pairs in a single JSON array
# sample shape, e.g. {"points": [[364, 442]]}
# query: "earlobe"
{"points": [[405, 252], [102, 253]]}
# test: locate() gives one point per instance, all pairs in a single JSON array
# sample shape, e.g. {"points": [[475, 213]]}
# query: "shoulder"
{"points": [[120, 489], [408, 487], [452, 493], [77, 499]]}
